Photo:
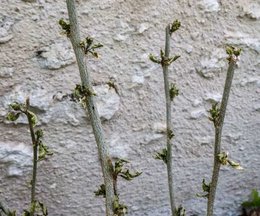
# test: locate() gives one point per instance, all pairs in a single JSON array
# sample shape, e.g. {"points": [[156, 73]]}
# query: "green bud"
{"points": [[173, 91], [175, 26]]}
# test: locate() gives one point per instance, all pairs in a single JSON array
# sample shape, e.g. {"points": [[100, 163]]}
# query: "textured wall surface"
{"points": [[37, 61]]}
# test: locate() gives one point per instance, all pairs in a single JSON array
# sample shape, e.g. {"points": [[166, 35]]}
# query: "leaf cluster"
{"points": [[119, 170], [89, 47], [233, 52]]}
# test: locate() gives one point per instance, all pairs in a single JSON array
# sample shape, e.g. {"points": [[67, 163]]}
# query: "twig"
{"points": [[106, 163], [168, 119], [35, 150], [218, 132]]}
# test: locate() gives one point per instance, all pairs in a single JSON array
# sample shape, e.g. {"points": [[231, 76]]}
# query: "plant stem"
{"points": [[218, 133], [168, 120], [106, 163], [35, 152]]}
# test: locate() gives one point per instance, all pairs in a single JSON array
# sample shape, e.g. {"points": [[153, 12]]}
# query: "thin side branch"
{"points": [[218, 133], [168, 119], [106, 163], [35, 151]]}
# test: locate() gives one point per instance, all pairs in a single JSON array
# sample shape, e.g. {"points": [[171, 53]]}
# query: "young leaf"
{"points": [[32, 117], [205, 188], [43, 151], [119, 209], [235, 165], [16, 106], [65, 26], [180, 211], [126, 174], [101, 191], [154, 59], [161, 155], [12, 116], [39, 134], [119, 165], [170, 134]]}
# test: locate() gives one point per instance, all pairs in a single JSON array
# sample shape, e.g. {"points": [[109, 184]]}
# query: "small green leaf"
{"points": [[180, 211], [154, 59], [235, 165], [161, 155], [32, 117], [118, 208], [229, 50], [65, 26], [39, 134], [127, 175], [170, 134], [172, 59], [96, 46], [43, 151], [95, 54], [101, 191], [16, 106], [205, 188], [12, 116], [162, 54], [119, 165]]}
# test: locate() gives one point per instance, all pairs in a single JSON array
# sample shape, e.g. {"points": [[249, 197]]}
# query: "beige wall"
{"points": [[37, 61]]}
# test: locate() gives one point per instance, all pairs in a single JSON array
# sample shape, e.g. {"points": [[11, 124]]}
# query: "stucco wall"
{"points": [[37, 61]]}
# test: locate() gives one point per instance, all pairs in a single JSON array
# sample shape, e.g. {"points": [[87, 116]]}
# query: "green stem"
{"points": [[106, 163], [218, 133], [168, 120], [35, 152]]}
